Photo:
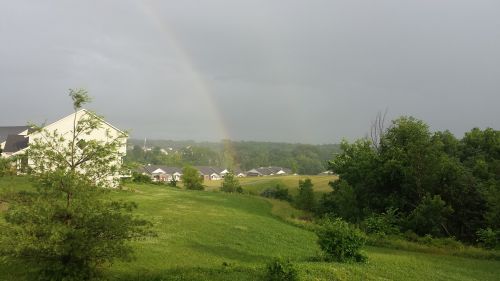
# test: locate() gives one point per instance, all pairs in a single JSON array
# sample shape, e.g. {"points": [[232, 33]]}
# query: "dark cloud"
{"points": [[298, 71]]}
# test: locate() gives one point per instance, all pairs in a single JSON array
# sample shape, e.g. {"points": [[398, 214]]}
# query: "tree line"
{"points": [[301, 158], [410, 179]]}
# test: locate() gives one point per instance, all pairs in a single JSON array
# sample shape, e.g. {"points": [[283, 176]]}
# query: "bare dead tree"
{"points": [[377, 129]]}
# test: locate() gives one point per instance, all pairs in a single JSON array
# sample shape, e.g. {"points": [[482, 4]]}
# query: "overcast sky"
{"points": [[294, 71]]}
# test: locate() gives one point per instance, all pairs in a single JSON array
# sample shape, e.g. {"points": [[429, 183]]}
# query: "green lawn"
{"points": [[215, 236]]}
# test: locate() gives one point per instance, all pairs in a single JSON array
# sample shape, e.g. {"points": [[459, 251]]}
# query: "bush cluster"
{"points": [[140, 178], [340, 241], [281, 270], [488, 238], [277, 192], [382, 224]]}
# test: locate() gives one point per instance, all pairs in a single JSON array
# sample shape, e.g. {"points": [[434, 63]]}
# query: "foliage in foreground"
{"points": [[58, 240], [67, 229], [340, 241]]}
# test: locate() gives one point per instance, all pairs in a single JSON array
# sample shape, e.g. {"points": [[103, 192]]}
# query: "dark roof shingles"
{"points": [[11, 130], [15, 143]]}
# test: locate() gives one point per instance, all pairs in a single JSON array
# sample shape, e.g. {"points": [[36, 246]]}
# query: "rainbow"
{"points": [[188, 66]]}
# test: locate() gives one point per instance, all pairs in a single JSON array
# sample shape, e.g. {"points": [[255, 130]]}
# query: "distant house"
{"points": [[254, 173], [269, 171], [14, 140], [237, 172], [162, 173], [210, 173]]}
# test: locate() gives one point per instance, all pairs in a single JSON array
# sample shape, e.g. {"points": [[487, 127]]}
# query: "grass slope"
{"points": [[216, 236]]}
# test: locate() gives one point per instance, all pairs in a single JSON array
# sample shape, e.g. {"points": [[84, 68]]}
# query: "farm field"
{"points": [[255, 185], [216, 236]]}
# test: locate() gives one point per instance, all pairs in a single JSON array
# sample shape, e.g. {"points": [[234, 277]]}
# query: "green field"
{"points": [[204, 235], [255, 185]]}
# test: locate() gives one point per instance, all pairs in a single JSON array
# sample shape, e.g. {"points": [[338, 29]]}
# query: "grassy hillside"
{"points": [[216, 236]]}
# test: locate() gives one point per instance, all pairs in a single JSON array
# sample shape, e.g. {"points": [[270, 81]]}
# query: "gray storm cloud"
{"points": [[295, 71]]}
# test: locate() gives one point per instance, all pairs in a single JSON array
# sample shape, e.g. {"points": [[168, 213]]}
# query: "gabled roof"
{"points": [[168, 170], [11, 130], [207, 170], [159, 171], [254, 171], [83, 112], [271, 170], [14, 143], [235, 171]]}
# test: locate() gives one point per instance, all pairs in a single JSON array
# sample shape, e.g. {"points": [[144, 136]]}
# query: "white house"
{"points": [[209, 173], [15, 140], [162, 173]]}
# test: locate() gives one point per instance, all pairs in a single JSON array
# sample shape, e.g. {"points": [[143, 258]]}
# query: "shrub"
{"points": [[281, 270], [172, 182], [231, 184], [382, 224], [277, 192], [487, 238], [140, 178], [191, 178], [340, 241]]}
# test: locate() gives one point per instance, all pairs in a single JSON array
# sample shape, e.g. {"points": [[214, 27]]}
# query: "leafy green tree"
{"points": [[480, 153], [430, 216], [69, 228], [357, 167], [231, 183], [191, 178], [305, 198], [341, 202], [409, 169]]}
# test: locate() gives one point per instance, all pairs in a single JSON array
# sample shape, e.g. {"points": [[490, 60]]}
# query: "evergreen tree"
{"points": [[305, 198]]}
